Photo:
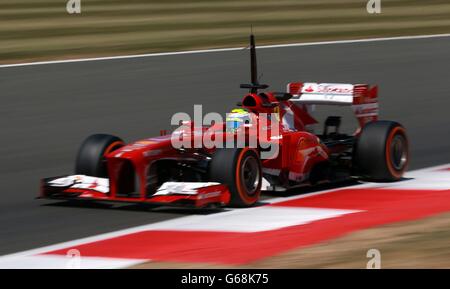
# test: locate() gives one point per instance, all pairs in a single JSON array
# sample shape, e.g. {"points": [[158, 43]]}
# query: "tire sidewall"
{"points": [[225, 168], [397, 130], [372, 151], [249, 199]]}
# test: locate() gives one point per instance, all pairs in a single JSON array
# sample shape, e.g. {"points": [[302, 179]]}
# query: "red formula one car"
{"points": [[154, 171]]}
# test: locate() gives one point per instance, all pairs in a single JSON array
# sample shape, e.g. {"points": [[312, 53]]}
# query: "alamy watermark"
{"points": [[74, 259], [375, 259], [240, 129], [73, 6], [373, 6]]}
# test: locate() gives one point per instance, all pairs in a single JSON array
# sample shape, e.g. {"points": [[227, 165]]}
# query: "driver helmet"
{"points": [[236, 119]]}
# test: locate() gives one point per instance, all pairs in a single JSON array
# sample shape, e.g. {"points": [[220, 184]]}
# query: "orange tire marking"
{"points": [[247, 199], [112, 147], [392, 170]]}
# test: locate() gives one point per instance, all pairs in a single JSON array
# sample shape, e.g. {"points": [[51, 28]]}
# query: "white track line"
{"points": [[67, 262], [189, 219], [226, 50], [258, 219]]}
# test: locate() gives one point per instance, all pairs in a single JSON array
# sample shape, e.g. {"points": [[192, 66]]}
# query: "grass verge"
{"points": [[33, 30]]}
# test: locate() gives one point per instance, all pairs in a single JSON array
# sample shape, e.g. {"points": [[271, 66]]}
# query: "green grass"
{"points": [[42, 29]]}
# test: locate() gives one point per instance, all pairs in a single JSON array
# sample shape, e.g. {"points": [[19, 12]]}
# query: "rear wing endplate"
{"points": [[361, 97]]}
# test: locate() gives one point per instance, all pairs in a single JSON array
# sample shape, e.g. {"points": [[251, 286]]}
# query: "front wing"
{"points": [[81, 187]]}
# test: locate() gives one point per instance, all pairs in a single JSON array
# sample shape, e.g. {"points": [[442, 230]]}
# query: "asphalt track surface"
{"points": [[47, 110]]}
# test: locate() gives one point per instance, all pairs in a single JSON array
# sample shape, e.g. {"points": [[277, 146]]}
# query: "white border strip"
{"points": [[226, 50], [157, 225], [68, 262]]}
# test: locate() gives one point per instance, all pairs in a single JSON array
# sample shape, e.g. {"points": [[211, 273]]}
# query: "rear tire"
{"points": [[90, 159], [382, 151], [239, 169]]}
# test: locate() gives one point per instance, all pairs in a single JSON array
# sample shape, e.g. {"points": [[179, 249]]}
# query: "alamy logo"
{"points": [[375, 259], [73, 6], [240, 129], [373, 6], [74, 259]]}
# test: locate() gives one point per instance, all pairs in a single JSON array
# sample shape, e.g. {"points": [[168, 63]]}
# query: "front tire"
{"points": [[382, 151], [239, 169], [90, 159]]}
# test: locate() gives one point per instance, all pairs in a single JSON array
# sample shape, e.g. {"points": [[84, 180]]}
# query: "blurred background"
{"points": [[42, 29]]}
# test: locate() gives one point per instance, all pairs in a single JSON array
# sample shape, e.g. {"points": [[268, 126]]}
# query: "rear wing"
{"points": [[361, 97]]}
